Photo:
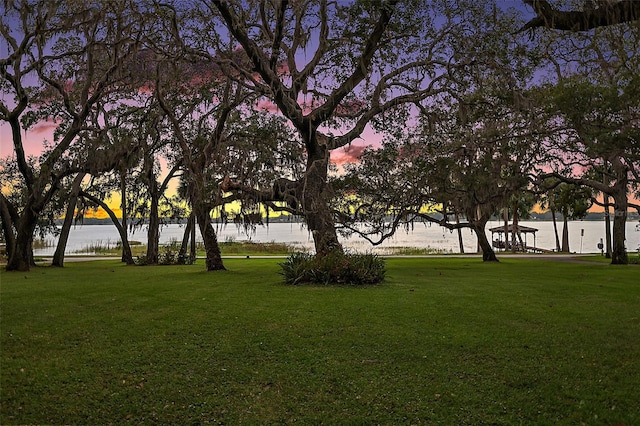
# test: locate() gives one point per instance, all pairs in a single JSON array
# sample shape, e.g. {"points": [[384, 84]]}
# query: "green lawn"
{"points": [[442, 341], [228, 248]]}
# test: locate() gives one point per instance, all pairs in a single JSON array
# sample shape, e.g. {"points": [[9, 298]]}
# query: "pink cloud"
{"points": [[266, 105], [46, 127], [6, 146], [348, 154], [32, 140]]}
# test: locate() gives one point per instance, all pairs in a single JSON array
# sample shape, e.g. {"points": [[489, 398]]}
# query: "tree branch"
{"points": [[323, 112], [597, 185], [281, 95], [283, 190], [608, 13]]}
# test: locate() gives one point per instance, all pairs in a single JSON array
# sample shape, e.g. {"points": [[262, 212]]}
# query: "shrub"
{"points": [[185, 259], [168, 256], [335, 268]]}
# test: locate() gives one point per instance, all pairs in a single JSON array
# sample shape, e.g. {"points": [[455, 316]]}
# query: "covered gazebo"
{"points": [[519, 231]]}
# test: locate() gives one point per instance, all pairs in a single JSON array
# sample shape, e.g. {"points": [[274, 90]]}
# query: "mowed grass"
{"points": [[441, 341]]}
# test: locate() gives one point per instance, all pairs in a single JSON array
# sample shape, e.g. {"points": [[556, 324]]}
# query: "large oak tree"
{"points": [[335, 69]]}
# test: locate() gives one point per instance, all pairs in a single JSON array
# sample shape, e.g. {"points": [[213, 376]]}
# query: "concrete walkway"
{"points": [[544, 256]]}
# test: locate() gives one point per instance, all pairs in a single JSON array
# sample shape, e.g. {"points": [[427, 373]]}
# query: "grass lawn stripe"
{"points": [[449, 341]]}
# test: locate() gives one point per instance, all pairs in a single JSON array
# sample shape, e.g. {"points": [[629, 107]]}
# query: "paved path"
{"points": [[568, 257]]}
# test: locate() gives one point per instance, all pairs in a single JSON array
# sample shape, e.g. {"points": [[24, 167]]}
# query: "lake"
{"points": [[584, 237]]}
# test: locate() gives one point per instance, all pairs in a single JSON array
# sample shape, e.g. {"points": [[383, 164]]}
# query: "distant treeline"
{"points": [[632, 216]]}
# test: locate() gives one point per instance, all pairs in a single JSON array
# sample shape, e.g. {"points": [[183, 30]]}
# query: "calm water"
{"points": [[422, 236]]}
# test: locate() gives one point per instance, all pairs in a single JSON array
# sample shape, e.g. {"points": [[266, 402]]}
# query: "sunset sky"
{"points": [[33, 139]]}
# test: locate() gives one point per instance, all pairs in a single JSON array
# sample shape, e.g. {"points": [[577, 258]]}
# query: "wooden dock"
{"points": [[519, 248], [538, 250]]}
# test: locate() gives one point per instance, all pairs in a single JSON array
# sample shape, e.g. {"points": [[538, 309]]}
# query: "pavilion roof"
{"points": [[518, 228]]}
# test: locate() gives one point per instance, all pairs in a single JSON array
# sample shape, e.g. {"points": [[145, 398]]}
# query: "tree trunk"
{"points": [[514, 232], [316, 195], [213, 257], [22, 254], [565, 234], [21, 258], [153, 230], [7, 225], [126, 248], [607, 227], [619, 251], [58, 256], [619, 192], [505, 217], [185, 237], [460, 241], [488, 255], [193, 237], [189, 236], [555, 229], [123, 208], [478, 213]]}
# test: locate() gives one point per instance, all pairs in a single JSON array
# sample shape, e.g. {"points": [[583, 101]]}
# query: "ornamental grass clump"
{"points": [[335, 268]]}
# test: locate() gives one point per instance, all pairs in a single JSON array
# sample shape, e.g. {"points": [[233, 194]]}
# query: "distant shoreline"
{"points": [[632, 216]]}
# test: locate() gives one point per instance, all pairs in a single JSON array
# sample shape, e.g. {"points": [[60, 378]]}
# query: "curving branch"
{"points": [[283, 190], [607, 13], [404, 217], [597, 185]]}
